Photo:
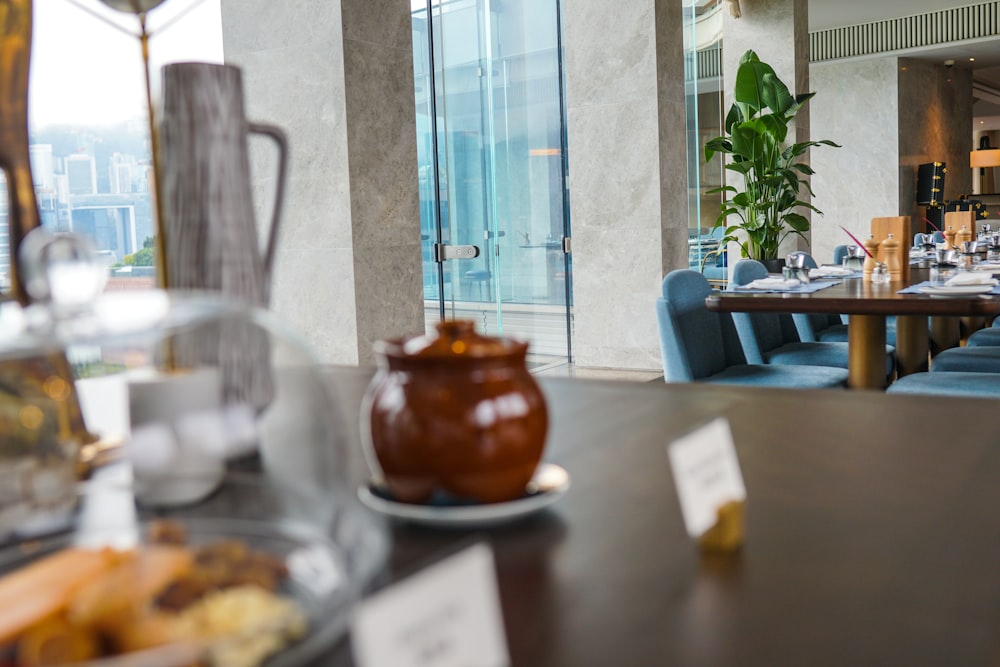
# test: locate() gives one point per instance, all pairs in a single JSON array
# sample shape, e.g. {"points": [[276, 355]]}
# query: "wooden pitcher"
{"points": [[209, 229]]}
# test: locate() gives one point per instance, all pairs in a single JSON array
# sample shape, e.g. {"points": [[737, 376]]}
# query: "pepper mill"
{"points": [[871, 245], [964, 236], [949, 238], [892, 259]]}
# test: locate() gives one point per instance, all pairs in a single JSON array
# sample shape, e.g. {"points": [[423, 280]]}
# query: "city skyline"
{"points": [[99, 190]]}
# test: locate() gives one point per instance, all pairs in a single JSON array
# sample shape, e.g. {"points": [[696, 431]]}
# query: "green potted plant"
{"points": [[756, 127]]}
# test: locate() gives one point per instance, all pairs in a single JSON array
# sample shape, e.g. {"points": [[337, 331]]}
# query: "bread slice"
{"points": [[46, 586]]}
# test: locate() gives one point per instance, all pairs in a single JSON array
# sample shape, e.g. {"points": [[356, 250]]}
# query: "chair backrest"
{"points": [[808, 326], [760, 333], [839, 253], [748, 270], [695, 342], [919, 239], [937, 237]]}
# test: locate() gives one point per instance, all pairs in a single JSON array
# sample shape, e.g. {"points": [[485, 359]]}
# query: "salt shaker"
{"points": [[880, 274]]}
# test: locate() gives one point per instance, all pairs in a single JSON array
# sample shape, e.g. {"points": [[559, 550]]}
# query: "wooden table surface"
{"points": [[860, 297], [871, 524]]}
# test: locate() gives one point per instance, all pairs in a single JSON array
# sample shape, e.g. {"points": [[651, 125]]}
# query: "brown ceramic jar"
{"points": [[456, 412]]}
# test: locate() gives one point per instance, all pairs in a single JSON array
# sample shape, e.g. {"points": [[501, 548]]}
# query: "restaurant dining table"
{"points": [[871, 533], [867, 305]]}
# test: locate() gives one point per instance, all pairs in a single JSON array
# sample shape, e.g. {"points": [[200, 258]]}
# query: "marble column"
{"points": [[935, 125], [778, 31], [627, 172], [890, 115], [337, 75], [860, 180]]}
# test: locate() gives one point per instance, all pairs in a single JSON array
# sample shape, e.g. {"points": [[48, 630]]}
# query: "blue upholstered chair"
{"points": [[981, 353], [772, 338], [971, 385], [989, 337], [835, 329], [829, 328], [747, 270], [937, 237], [978, 359], [839, 253], [919, 239], [701, 345], [818, 327]]}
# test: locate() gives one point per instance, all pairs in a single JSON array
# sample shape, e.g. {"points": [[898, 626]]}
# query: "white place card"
{"points": [[446, 615], [706, 473]]}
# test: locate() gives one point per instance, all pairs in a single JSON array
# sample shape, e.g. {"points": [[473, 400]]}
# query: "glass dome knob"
{"points": [[62, 270]]}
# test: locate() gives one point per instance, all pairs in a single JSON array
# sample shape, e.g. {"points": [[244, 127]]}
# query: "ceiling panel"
{"points": [[825, 14]]}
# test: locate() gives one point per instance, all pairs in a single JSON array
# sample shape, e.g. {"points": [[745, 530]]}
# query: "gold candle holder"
{"points": [[727, 535], [15, 57]]}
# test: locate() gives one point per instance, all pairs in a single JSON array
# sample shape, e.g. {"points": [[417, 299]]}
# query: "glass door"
{"points": [[704, 105], [491, 148]]}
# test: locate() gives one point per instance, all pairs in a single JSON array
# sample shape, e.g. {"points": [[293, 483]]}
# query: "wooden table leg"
{"points": [[970, 325], [866, 352], [911, 344], [944, 334]]}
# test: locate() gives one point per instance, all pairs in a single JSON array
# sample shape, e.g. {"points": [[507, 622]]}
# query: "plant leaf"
{"points": [[717, 145], [797, 222], [776, 95], [748, 91], [734, 117], [748, 140]]}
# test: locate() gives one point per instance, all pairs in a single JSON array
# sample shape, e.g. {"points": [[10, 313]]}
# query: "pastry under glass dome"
{"points": [[191, 408]]}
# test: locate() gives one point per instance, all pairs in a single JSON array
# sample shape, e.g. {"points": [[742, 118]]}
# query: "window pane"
{"points": [[89, 131]]}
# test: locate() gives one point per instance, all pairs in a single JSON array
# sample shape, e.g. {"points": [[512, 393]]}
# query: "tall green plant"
{"points": [[756, 129]]}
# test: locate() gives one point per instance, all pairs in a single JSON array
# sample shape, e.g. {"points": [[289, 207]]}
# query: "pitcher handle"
{"points": [[276, 134]]}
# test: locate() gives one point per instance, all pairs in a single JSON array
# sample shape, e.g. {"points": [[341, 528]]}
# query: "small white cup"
{"points": [[178, 447]]}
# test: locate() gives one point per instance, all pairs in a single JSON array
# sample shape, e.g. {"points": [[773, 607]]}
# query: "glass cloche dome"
{"points": [[165, 458]]}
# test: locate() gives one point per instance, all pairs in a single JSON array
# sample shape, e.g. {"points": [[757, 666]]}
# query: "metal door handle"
{"points": [[444, 252]]}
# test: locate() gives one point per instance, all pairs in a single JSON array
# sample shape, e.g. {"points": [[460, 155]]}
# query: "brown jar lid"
{"points": [[455, 339]]}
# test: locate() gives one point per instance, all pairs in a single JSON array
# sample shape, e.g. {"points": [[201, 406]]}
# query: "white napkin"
{"points": [[829, 272], [987, 267], [772, 283], [971, 278]]}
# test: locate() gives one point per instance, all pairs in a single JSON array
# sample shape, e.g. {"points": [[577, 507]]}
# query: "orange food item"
{"points": [[78, 604], [129, 587], [144, 631], [41, 589], [56, 642]]}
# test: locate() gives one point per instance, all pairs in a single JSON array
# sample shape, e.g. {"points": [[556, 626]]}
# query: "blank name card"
{"points": [[706, 473], [447, 615]]}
